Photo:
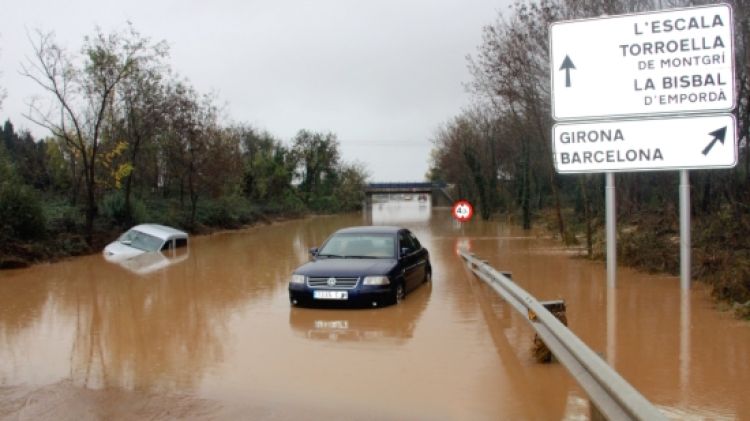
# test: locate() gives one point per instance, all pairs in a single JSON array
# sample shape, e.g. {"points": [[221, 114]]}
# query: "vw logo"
{"points": [[331, 282]]}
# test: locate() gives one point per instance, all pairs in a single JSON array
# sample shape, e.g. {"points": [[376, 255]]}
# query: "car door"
{"points": [[408, 260], [422, 258]]}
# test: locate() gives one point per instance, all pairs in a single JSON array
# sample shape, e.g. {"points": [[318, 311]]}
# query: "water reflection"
{"points": [[394, 324], [684, 342], [139, 328], [146, 263], [612, 326], [401, 212]]}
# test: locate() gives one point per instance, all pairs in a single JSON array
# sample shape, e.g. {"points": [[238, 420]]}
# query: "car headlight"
{"points": [[376, 280], [298, 279]]}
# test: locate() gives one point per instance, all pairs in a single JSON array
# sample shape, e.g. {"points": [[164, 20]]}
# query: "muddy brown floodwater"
{"points": [[211, 334]]}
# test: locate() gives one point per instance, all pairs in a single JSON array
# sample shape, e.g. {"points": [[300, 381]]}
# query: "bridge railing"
{"points": [[405, 185], [614, 397]]}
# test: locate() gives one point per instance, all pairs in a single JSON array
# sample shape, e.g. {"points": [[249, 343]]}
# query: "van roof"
{"points": [[160, 231]]}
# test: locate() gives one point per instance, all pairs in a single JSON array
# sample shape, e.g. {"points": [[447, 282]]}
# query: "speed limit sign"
{"points": [[462, 211]]}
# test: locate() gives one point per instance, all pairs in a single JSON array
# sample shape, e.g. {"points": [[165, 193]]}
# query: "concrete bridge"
{"points": [[439, 192]]}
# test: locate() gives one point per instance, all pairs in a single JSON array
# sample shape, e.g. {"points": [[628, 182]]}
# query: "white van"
{"points": [[145, 238]]}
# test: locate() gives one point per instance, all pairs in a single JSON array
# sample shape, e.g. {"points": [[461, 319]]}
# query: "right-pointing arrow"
{"points": [[567, 64], [718, 135]]}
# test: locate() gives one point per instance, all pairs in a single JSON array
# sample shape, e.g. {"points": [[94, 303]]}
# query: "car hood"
{"points": [[346, 267], [117, 252]]}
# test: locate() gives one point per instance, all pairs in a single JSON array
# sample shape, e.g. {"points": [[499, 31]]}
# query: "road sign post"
{"points": [[645, 92], [685, 257], [611, 216]]}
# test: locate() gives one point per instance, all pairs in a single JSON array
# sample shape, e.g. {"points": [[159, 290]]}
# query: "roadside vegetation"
{"points": [[131, 142], [498, 154]]}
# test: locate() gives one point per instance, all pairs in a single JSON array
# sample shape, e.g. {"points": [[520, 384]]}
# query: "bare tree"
{"points": [[142, 100], [81, 90]]}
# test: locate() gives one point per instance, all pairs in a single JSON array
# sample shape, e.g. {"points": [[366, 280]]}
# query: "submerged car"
{"points": [[362, 266], [145, 238]]}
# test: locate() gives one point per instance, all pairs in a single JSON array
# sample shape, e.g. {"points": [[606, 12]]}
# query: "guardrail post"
{"points": [[541, 353], [611, 396]]}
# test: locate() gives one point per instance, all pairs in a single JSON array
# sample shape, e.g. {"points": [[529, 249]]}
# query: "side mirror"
{"points": [[313, 251], [405, 251]]}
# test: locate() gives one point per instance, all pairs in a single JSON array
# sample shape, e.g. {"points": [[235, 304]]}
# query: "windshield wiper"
{"points": [[328, 255], [360, 257]]}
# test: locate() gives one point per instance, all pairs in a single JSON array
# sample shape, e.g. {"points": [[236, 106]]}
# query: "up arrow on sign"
{"points": [[567, 64], [658, 63]]}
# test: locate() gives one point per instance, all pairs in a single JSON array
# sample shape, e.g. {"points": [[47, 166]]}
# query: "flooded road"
{"points": [[211, 334]]}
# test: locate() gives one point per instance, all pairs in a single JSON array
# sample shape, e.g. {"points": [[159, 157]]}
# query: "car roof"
{"points": [[370, 229], [160, 231]]}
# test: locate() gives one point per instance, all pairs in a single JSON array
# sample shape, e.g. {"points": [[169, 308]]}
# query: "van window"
{"points": [[174, 243]]}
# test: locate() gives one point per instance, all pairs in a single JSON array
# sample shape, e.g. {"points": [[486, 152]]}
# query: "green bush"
{"points": [[226, 212], [61, 216], [325, 204], [21, 214], [291, 203], [113, 208]]}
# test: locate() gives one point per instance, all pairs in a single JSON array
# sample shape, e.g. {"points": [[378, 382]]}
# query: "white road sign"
{"points": [[677, 61], [646, 145]]}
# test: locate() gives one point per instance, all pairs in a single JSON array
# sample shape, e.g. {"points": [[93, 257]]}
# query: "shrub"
{"points": [[62, 216], [114, 209], [325, 204], [21, 214], [230, 211]]}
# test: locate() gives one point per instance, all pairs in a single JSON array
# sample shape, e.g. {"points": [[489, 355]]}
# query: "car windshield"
{"points": [[374, 246], [141, 240]]}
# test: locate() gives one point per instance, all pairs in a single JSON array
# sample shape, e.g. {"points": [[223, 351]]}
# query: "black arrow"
{"points": [[567, 64], [718, 136]]}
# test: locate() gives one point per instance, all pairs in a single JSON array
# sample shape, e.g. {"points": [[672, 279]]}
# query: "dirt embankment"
{"points": [[61, 245], [650, 241]]}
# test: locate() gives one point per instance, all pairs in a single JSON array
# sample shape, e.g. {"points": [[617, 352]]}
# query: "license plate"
{"points": [[331, 295], [331, 324]]}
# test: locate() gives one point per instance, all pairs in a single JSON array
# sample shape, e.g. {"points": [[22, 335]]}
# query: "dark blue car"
{"points": [[362, 266]]}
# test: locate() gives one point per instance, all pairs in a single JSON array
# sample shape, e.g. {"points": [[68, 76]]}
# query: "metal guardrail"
{"points": [[614, 397]]}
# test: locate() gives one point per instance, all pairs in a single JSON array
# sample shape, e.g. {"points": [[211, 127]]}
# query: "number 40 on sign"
{"points": [[462, 211]]}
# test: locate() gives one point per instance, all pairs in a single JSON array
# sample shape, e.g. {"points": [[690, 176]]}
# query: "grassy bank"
{"points": [[650, 241], [62, 224]]}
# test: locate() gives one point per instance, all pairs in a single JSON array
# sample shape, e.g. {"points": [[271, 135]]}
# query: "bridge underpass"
{"points": [[440, 193]]}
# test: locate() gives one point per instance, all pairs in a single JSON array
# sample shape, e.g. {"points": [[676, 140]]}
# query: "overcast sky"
{"points": [[381, 74]]}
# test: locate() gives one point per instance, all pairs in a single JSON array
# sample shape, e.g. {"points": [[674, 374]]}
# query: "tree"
{"points": [[142, 103], [317, 155], [21, 216], [268, 166], [28, 154], [349, 193], [82, 91], [511, 73], [468, 153]]}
